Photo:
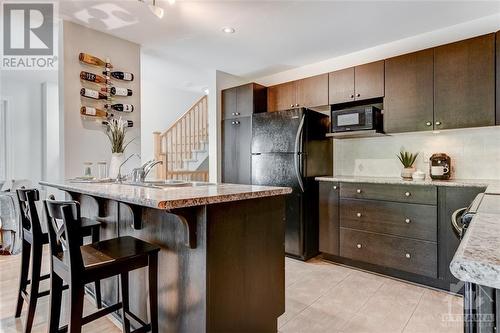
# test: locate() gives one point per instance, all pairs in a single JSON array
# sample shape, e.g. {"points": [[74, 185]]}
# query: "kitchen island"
{"points": [[221, 264]]}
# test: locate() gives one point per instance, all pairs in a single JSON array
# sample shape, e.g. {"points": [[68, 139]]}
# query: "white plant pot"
{"points": [[114, 166], [407, 173]]}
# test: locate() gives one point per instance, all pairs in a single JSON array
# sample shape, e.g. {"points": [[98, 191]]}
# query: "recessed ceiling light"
{"points": [[228, 30], [171, 2]]}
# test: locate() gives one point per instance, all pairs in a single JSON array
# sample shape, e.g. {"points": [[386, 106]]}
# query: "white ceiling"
{"points": [[271, 36]]}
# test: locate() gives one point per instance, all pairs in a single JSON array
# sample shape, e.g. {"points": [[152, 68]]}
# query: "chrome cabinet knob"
{"points": [[408, 256], [233, 113], [359, 246], [407, 221], [358, 214], [438, 123], [291, 105], [334, 187], [357, 95], [296, 105], [407, 194], [428, 123], [236, 113], [358, 191], [352, 96]]}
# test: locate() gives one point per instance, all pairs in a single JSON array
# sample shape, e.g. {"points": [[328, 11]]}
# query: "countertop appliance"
{"points": [[289, 148], [461, 218], [440, 166], [357, 119]]}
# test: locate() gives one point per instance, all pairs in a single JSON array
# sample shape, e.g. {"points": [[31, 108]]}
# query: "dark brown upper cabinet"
{"points": [[282, 96], [369, 80], [464, 83], [498, 78], [357, 83], [308, 92], [312, 91], [243, 101], [341, 86], [409, 94]]}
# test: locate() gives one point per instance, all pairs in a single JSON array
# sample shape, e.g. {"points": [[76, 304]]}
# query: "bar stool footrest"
{"points": [[96, 315]]}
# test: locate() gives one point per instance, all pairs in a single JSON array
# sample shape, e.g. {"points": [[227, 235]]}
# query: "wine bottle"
{"points": [[93, 112], [92, 77], [124, 76], [94, 94], [129, 123], [117, 91], [120, 107], [94, 61]]}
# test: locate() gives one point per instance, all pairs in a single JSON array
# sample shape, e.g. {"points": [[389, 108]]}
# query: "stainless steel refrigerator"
{"points": [[289, 148]]}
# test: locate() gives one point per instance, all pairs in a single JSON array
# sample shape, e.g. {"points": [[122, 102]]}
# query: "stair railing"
{"points": [[177, 144]]}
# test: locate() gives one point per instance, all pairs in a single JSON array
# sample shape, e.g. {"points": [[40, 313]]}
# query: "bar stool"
{"points": [[78, 265], [33, 239]]}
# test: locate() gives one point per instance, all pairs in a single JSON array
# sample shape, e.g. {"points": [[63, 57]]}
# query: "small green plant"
{"points": [[407, 159]]}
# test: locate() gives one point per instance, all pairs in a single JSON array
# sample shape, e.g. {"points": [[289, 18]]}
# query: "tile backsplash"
{"points": [[475, 153]]}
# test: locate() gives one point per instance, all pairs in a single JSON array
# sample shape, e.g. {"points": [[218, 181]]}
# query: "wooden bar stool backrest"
{"points": [[29, 215], [63, 220]]}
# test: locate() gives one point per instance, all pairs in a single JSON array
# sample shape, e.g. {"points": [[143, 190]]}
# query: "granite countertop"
{"points": [[477, 259], [400, 181], [171, 197]]}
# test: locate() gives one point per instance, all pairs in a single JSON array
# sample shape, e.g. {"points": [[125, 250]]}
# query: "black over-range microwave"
{"points": [[357, 119]]}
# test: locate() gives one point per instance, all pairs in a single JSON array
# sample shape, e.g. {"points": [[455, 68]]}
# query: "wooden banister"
{"points": [[175, 145]]}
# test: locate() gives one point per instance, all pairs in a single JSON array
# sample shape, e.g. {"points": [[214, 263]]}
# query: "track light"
{"points": [[158, 11]]}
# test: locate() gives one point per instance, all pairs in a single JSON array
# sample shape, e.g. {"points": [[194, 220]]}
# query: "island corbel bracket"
{"points": [[189, 225], [136, 214]]}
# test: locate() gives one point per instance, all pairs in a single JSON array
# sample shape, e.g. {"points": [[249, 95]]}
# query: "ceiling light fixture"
{"points": [[155, 9], [228, 30]]}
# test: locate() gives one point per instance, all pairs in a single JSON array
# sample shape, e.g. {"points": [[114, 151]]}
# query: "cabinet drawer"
{"points": [[409, 255], [399, 193], [394, 218]]}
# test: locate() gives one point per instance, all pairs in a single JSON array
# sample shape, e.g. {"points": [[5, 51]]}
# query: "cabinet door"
{"points": [[228, 103], [341, 86], [244, 100], [313, 91], [464, 83], [282, 96], [369, 80], [451, 199], [329, 218], [236, 156], [409, 94], [498, 77]]}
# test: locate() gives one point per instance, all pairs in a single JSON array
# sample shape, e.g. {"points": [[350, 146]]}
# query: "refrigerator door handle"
{"points": [[298, 153]]}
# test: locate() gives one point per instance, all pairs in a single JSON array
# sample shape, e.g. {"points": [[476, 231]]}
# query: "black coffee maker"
{"points": [[440, 166]]}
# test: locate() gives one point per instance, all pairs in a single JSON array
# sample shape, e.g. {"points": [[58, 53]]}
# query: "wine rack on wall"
{"points": [[101, 98]]}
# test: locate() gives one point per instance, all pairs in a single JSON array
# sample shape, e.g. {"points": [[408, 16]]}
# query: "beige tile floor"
{"points": [[324, 297], [320, 297]]}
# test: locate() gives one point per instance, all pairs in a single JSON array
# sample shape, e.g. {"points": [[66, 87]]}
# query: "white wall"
{"points": [[431, 39], [167, 92], [475, 153], [85, 140], [50, 132], [24, 98]]}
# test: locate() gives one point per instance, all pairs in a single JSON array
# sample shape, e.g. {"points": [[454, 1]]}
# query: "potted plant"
{"points": [[407, 159], [116, 130]]}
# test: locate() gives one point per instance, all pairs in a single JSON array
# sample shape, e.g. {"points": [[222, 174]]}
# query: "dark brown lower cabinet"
{"points": [[374, 227], [329, 218], [236, 153], [406, 254]]}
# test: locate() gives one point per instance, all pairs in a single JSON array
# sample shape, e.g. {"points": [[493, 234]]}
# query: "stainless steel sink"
{"points": [[168, 183]]}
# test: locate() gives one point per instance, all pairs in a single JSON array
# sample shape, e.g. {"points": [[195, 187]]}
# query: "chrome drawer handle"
{"points": [[358, 191], [407, 194], [359, 246], [334, 187], [358, 214], [408, 256], [407, 221]]}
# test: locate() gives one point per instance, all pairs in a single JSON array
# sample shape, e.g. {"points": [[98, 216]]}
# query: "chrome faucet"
{"points": [[140, 174], [120, 178]]}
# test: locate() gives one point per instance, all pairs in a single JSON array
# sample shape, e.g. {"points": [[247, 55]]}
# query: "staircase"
{"points": [[183, 147]]}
